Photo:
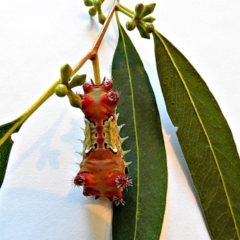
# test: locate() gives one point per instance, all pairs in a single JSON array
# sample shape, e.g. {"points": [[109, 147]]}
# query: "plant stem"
{"points": [[93, 53], [125, 10], [96, 70]]}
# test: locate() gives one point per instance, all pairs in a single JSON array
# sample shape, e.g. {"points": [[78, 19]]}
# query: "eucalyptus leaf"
{"points": [[205, 138], [6, 144], [142, 215]]}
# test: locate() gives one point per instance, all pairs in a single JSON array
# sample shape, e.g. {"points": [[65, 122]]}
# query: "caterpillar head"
{"points": [[105, 86], [99, 101]]}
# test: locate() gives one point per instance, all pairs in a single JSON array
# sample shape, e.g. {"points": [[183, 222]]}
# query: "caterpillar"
{"points": [[102, 170]]}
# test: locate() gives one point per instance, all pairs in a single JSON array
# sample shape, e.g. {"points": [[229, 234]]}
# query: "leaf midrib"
{"points": [[205, 132], [135, 129]]}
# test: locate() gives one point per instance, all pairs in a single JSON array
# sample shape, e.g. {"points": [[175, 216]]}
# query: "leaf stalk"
{"points": [[125, 10]]}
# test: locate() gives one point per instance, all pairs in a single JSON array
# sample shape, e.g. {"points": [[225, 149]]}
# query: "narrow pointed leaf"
{"points": [[205, 138], [142, 215], [6, 144]]}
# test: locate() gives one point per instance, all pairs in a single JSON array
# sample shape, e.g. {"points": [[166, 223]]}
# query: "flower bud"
{"points": [[77, 80], [148, 19], [65, 72], [149, 27], [149, 8], [130, 25], [97, 3], [92, 11], [74, 100], [101, 18], [61, 90], [138, 10], [88, 3]]}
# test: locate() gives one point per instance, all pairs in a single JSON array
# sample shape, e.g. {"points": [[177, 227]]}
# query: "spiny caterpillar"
{"points": [[102, 170]]}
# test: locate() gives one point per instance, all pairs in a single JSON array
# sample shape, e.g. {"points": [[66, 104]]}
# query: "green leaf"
{"points": [[205, 138], [6, 144], [142, 215]]}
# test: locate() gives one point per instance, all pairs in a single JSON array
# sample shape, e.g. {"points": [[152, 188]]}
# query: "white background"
{"points": [[37, 199]]}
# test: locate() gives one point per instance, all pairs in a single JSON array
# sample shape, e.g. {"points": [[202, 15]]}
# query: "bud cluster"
{"points": [[141, 20], [66, 84], [95, 9]]}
